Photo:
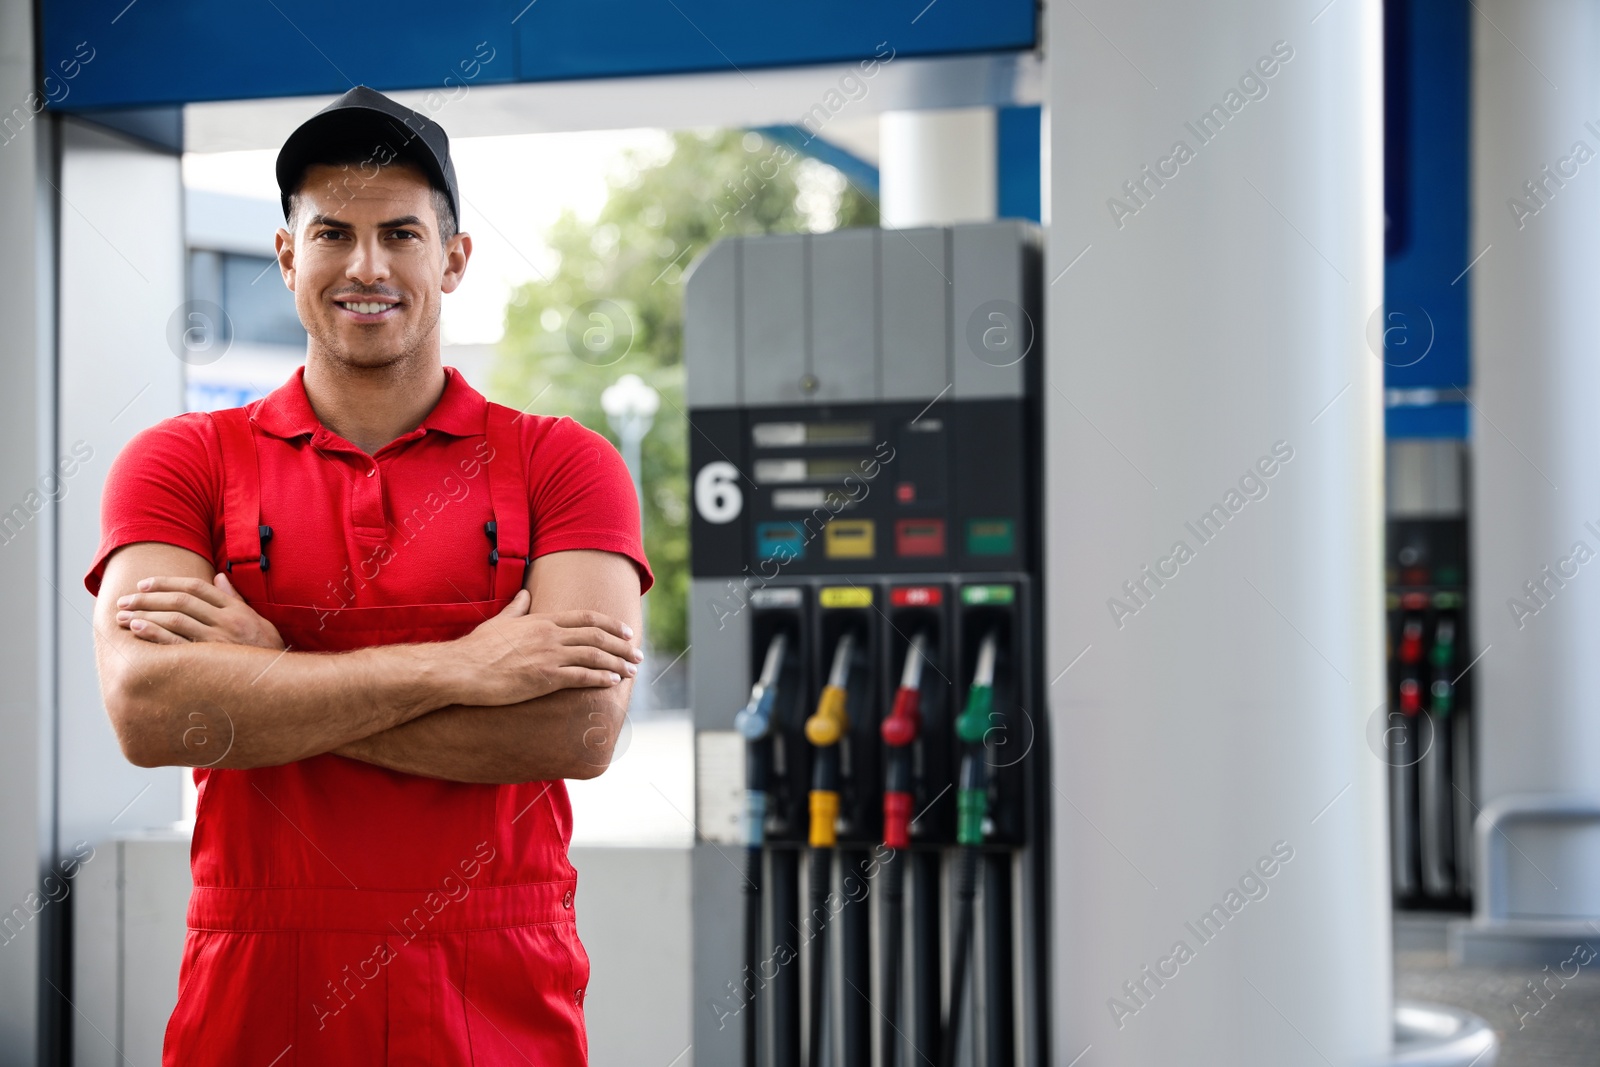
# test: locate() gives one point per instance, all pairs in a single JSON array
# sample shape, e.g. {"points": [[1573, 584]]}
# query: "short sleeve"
{"points": [[161, 487], [583, 496]]}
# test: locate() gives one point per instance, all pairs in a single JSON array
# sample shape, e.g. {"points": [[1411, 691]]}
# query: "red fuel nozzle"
{"points": [[905, 718], [899, 730], [1411, 641]]}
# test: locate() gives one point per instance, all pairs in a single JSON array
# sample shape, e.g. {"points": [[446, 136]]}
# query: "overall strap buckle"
{"points": [[510, 543], [245, 536]]}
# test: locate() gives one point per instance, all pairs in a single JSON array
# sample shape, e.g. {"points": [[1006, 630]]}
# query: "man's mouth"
{"points": [[368, 309]]}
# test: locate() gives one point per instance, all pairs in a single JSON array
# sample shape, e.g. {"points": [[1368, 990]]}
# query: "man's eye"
{"points": [[330, 233], [404, 233]]}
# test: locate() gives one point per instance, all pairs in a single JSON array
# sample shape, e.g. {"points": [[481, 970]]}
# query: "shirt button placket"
{"points": [[368, 504]]}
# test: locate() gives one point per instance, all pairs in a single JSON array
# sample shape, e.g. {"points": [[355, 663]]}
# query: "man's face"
{"points": [[366, 265]]}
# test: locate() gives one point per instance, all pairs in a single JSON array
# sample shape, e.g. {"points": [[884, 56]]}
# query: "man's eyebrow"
{"points": [[339, 224]]}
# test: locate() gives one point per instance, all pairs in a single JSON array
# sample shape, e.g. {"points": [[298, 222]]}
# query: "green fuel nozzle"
{"points": [[973, 722], [972, 725]]}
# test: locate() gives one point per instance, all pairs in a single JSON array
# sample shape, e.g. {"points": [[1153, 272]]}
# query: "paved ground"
{"points": [[1561, 1031]]}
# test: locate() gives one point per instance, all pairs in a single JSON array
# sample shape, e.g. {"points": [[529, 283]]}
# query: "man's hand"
{"points": [[518, 656], [170, 611], [283, 705], [569, 733]]}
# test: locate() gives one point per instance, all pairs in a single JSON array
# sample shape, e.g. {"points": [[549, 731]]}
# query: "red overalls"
{"points": [[347, 914]]}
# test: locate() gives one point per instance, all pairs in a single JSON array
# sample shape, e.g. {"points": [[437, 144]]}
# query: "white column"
{"points": [[936, 168], [122, 292], [27, 707], [1205, 336], [1536, 439]]}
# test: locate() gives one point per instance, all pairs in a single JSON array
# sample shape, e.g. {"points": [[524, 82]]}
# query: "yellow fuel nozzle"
{"points": [[824, 818], [831, 719], [824, 729]]}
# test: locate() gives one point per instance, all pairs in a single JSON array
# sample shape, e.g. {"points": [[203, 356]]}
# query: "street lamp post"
{"points": [[630, 406]]}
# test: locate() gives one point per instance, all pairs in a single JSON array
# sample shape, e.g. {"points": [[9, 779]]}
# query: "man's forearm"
{"points": [[567, 734], [223, 705]]}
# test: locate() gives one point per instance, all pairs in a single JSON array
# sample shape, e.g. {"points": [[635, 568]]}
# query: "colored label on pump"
{"points": [[780, 541], [919, 537], [848, 539], [916, 596], [845, 596], [989, 594], [991, 537]]}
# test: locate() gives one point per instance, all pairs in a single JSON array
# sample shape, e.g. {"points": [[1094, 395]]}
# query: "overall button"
{"points": [[578, 997], [566, 901], [371, 471]]}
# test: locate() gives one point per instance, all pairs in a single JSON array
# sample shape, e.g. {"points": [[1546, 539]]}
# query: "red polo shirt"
{"points": [[404, 525]]}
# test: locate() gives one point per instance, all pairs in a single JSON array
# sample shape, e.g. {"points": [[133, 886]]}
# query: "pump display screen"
{"points": [[789, 471], [791, 434]]}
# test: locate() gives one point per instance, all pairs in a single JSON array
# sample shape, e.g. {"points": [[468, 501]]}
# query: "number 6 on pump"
{"points": [[717, 495]]}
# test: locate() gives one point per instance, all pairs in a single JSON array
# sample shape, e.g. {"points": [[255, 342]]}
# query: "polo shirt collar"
{"points": [[286, 412]]}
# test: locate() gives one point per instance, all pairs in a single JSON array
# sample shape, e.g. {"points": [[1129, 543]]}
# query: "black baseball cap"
{"points": [[366, 122]]}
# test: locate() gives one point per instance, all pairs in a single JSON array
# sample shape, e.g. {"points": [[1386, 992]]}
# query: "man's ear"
{"points": [[456, 254], [283, 247]]}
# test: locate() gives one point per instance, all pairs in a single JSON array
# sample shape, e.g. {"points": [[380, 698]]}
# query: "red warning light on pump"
{"points": [[916, 596]]}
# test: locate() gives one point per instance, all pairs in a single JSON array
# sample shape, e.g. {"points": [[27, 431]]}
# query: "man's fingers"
{"points": [[584, 678], [579, 619], [145, 630], [602, 640], [184, 603], [186, 627], [588, 656], [517, 606], [196, 587]]}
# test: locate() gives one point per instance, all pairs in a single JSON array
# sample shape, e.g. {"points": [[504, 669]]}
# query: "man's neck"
{"points": [[371, 407]]}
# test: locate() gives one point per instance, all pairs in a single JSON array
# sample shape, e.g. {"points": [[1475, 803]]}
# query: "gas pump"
{"points": [[1429, 726], [864, 550]]}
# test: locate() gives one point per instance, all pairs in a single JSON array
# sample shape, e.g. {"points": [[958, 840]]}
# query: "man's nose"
{"points": [[368, 261]]}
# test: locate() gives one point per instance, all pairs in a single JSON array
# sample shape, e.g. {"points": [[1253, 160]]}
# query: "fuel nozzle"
{"points": [[899, 730], [972, 725], [829, 722], [905, 718], [1411, 640], [972, 811], [754, 722], [1442, 655], [824, 729]]}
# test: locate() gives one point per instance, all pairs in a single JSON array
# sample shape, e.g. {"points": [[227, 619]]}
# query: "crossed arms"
{"points": [[536, 692]]}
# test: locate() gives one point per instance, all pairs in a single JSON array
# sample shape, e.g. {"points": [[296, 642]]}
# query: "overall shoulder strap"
{"points": [[244, 537], [509, 533]]}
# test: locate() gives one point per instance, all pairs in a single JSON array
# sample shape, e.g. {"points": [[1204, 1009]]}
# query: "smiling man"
{"points": [[383, 618]]}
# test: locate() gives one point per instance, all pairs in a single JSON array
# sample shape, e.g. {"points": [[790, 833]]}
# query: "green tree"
{"points": [[615, 305]]}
